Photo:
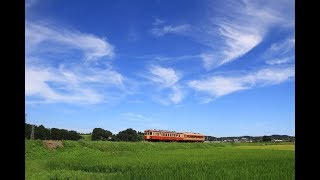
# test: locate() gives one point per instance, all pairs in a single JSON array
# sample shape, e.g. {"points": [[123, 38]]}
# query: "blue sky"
{"points": [[220, 67]]}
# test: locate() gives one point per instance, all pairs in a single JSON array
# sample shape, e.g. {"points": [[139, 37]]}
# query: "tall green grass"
{"points": [[146, 160]]}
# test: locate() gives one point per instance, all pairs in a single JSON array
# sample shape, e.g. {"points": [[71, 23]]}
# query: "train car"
{"points": [[172, 136]]}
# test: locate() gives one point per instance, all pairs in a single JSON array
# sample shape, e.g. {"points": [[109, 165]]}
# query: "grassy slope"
{"points": [[144, 160], [86, 137]]}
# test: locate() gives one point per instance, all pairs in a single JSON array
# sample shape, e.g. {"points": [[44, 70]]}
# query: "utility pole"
{"points": [[32, 132]]}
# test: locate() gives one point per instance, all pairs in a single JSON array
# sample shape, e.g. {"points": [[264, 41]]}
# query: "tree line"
{"points": [[264, 138], [98, 134], [129, 135], [40, 132]]}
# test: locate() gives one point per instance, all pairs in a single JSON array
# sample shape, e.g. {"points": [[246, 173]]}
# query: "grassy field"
{"points": [[146, 160], [86, 137]]}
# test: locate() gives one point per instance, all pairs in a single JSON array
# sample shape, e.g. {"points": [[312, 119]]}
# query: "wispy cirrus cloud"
{"points": [[93, 47], [237, 29], [277, 61], [170, 29], [282, 47], [76, 86], [62, 78], [177, 95], [280, 52], [167, 78], [30, 3], [217, 85], [158, 21]]}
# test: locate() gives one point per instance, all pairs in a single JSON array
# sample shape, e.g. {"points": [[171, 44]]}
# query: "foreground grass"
{"points": [[144, 160]]}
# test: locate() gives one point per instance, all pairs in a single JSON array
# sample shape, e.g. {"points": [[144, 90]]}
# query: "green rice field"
{"points": [[159, 160]]}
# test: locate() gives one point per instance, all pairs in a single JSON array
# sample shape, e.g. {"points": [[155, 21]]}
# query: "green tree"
{"points": [[73, 135], [27, 130], [266, 138], [141, 136], [101, 134], [55, 134], [41, 133], [128, 135]]}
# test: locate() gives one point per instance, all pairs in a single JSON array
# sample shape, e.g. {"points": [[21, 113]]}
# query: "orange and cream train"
{"points": [[170, 136]]}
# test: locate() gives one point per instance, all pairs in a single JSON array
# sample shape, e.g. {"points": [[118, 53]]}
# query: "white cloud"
{"points": [[280, 52], [277, 61], [282, 48], [63, 80], [29, 3], [176, 96], [158, 21], [167, 29], [238, 41], [54, 85], [92, 46], [217, 86], [237, 29], [208, 60], [272, 75], [167, 78]]}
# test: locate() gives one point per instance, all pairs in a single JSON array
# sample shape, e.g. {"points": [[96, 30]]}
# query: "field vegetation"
{"points": [[158, 160]]}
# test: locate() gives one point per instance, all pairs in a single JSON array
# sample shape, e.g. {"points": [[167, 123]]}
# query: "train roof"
{"points": [[168, 131]]}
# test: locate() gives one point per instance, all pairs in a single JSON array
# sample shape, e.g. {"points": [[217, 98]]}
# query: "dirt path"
{"points": [[51, 144]]}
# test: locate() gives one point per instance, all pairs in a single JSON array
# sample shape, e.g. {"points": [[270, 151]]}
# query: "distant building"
{"points": [[277, 140]]}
